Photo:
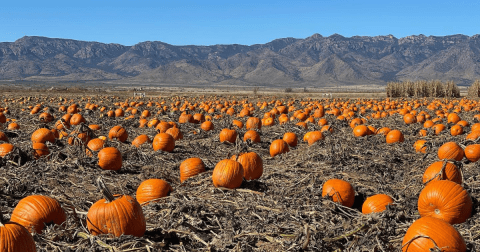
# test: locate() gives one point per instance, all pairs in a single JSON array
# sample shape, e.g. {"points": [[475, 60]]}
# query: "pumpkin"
{"points": [[441, 170], [228, 135], [13, 126], [420, 146], [119, 112], [76, 119], [252, 165], [95, 144], [152, 190], [14, 237], [438, 128], [207, 126], [186, 118], [72, 109], [116, 215], [3, 137], [237, 123], [110, 158], [191, 167], [39, 150], [141, 139], [163, 126], [456, 130], [360, 130], [253, 123], [340, 191], [45, 117], [290, 138], [164, 142], [453, 118], [450, 150], [175, 133], [409, 119], [394, 136], [313, 136], [94, 127], [228, 173], [34, 211], [472, 152], [432, 234], [383, 131], [446, 200], [119, 133], [376, 203], [278, 147], [252, 135], [42, 135]]}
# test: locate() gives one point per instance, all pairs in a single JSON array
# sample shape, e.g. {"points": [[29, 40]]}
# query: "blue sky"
{"points": [[245, 22]]}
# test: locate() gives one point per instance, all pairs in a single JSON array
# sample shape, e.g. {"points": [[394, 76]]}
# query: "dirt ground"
{"points": [[282, 211]]}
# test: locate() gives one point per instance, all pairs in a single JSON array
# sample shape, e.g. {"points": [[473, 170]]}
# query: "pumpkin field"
{"points": [[238, 173]]}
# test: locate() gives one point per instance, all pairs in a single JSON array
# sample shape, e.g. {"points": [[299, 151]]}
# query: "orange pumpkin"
{"points": [[252, 165], [472, 152], [191, 167], [164, 142], [110, 158], [441, 170], [228, 135], [429, 234], [450, 150], [278, 147], [340, 191], [152, 190], [394, 136], [228, 173], [446, 200], [376, 203]]}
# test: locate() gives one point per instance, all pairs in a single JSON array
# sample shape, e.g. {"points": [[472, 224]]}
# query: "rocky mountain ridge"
{"points": [[316, 60]]}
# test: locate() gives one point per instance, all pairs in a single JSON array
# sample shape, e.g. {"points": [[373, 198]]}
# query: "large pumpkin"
{"points": [[450, 150], [394, 136], [152, 190], [340, 191], [228, 173], [14, 237], [252, 165], [432, 234], [110, 158], [34, 211], [191, 167], [446, 200], [472, 152], [116, 215], [290, 138]]}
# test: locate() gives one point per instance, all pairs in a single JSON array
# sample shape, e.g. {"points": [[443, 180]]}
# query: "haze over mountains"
{"points": [[313, 61]]}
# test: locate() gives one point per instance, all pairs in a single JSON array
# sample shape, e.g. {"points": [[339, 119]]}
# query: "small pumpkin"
{"points": [[278, 147], [360, 130], [95, 144], [34, 211], [420, 146], [110, 158], [340, 191], [394, 136], [228, 173], [140, 140], [207, 126], [152, 190], [376, 203], [191, 167], [290, 138], [313, 136], [253, 123], [116, 215], [432, 234], [446, 200], [76, 119], [175, 133], [5, 149], [119, 133], [252, 135]]}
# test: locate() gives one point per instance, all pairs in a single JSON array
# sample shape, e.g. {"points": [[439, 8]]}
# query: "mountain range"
{"points": [[313, 61]]}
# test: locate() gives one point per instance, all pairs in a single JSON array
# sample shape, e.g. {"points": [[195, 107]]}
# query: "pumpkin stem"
{"points": [[103, 188]]}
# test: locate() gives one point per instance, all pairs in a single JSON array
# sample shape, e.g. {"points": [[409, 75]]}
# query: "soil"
{"points": [[282, 211]]}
